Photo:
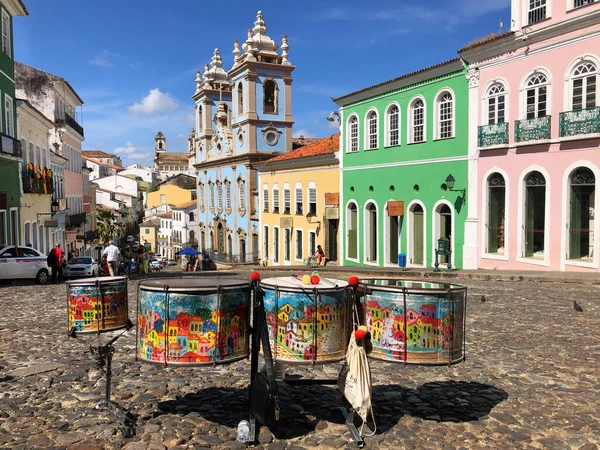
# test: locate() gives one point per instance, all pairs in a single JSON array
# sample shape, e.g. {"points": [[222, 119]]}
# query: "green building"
{"points": [[10, 146], [401, 140]]}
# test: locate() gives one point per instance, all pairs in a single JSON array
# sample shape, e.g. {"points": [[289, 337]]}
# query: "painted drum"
{"points": [[97, 305], [414, 322], [193, 322], [308, 324]]}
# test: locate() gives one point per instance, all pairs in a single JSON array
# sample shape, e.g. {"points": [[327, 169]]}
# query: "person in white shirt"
{"points": [[112, 254]]}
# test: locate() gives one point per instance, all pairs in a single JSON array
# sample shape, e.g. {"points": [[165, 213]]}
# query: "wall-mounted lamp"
{"points": [[333, 116], [450, 184], [54, 206]]}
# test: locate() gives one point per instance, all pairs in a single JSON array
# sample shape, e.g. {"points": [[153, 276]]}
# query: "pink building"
{"points": [[534, 156]]}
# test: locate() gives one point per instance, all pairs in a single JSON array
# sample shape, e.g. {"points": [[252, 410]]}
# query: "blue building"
{"points": [[243, 117]]}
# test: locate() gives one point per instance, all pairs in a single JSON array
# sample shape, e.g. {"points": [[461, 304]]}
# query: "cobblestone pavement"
{"points": [[531, 380]]}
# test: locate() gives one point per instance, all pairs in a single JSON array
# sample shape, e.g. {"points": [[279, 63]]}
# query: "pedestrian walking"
{"points": [[112, 254], [55, 261]]}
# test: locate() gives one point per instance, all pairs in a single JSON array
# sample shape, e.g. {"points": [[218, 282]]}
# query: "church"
{"points": [[243, 117], [168, 165]]}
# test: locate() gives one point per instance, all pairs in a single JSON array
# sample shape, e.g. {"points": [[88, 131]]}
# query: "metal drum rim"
{"points": [[447, 287], [143, 286], [195, 364], [307, 289], [93, 281]]}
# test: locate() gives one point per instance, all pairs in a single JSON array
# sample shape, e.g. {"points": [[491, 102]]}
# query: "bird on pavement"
{"points": [[482, 298], [577, 306]]}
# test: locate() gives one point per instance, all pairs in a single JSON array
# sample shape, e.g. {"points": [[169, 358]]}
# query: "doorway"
{"points": [[352, 225], [332, 243], [418, 234], [444, 228], [393, 230], [371, 232]]}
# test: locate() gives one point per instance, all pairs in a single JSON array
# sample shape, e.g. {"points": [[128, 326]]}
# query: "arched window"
{"points": [[211, 188], [240, 95], [392, 135], [201, 195], [535, 215], [496, 100], [445, 118], [27, 233], [270, 97], [582, 203], [242, 193], [536, 96], [417, 121], [372, 137], [496, 194], [200, 122], [191, 216], [34, 235], [584, 86], [192, 237], [353, 134]]}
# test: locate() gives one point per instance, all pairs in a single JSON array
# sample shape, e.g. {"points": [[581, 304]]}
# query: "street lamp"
{"points": [[333, 116], [450, 185], [54, 206]]}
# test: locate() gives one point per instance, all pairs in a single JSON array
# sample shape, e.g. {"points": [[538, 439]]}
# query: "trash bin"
{"points": [[401, 260]]}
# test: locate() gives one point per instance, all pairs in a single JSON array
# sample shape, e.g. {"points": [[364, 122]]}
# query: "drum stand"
{"points": [[260, 332], [104, 354]]}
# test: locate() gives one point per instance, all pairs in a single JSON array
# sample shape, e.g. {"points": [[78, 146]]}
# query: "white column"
{"points": [[471, 241]]}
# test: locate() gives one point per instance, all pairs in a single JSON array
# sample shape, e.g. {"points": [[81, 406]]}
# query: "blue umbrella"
{"points": [[188, 251]]}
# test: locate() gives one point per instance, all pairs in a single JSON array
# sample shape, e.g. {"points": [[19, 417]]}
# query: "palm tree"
{"points": [[107, 225]]}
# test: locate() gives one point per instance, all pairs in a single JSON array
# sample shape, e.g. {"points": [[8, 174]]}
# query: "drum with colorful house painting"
{"points": [[97, 305], [193, 321], [414, 322], [307, 324]]}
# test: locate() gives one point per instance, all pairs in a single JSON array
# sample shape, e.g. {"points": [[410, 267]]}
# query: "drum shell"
{"points": [[306, 324], [97, 305], [426, 319], [193, 323]]}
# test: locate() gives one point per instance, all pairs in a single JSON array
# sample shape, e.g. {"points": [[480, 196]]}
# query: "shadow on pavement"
{"points": [[302, 407]]}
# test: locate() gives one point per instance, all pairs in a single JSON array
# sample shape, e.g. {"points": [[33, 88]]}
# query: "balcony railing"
{"points": [[582, 122], [10, 146], [494, 134], [529, 130], [34, 185], [74, 220], [73, 124]]}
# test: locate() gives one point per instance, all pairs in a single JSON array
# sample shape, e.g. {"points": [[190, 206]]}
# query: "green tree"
{"points": [[107, 225]]}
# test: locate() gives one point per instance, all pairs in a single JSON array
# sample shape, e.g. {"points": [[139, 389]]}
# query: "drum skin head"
{"points": [[291, 283], [92, 281]]}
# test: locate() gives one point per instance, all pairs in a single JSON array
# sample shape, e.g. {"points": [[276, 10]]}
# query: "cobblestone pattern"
{"points": [[531, 380]]}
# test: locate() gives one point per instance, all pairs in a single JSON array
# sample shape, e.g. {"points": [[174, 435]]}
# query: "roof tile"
{"points": [[323, 146]]}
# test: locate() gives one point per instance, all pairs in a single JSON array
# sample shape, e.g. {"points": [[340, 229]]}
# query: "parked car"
{"points": [[23, 263], [155, 265], [81, 266], [171, 262]]}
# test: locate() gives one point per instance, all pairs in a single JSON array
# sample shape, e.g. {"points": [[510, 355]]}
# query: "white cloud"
{"points": [[154, 104], [303, 132], [132, 153], [103, 59], [191, 118]]}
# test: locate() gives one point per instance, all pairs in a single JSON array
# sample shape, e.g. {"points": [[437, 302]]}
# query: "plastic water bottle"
{"points": [[243, 431]]}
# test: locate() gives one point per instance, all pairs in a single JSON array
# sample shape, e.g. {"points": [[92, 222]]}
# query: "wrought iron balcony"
{"points": [[74, 220], [579, 123], [494, 134], [10, 146], [34, 185], [73, 124], [529, 130]]}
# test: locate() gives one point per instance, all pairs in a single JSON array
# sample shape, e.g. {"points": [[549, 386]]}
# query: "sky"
{"points": [[134, 62]]}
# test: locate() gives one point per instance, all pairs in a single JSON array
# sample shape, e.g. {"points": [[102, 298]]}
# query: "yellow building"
{"points": [[299, 204], [148, 233], [168, 194]]}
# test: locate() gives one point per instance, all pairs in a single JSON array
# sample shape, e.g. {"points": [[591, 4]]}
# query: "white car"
{"points": [[18, 262], [81, 266]]}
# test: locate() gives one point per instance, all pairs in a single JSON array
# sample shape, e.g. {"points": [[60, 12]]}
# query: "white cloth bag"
{"points": [[355, 379]]}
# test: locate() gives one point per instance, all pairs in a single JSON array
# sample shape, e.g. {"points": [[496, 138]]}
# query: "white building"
{"points": [[148, 174], [165, 236], [185, 226]]}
